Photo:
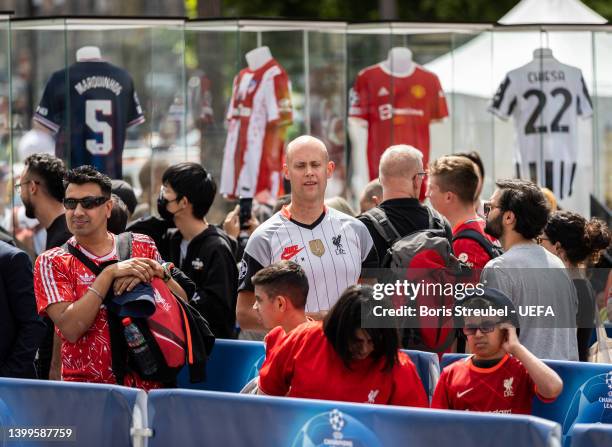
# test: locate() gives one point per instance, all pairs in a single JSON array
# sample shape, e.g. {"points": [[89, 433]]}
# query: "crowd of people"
{"points": [[299, 276]]}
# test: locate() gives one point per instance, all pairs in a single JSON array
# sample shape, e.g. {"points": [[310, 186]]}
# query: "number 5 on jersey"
{"points": [[104, 145]]}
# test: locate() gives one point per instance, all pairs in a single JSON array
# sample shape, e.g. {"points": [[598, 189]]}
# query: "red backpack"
{"points": [[422, 256], [169, 332]]}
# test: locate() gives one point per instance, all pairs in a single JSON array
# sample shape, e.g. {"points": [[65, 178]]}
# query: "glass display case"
{"points": [[416, 91], [471, 63], [313, 55], [554, 123], [183, 73], [126, 111]]}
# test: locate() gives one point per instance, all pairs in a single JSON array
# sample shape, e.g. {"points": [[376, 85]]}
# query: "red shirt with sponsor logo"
{"points": [[304, 364], [468, 250], [60, 277], [504, 388], [398, 109]]}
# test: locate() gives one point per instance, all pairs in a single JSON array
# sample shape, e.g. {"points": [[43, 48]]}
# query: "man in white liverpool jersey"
{"points": [[330, 246], [545, 97]]}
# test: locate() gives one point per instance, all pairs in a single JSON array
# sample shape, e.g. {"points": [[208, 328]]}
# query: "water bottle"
{"points": [[139, 348]]}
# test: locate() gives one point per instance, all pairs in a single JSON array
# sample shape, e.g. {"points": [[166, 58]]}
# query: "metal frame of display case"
{"points": [[259, 26]]}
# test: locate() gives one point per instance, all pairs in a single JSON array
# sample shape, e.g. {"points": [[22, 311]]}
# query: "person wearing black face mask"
{"points": [[203, 252], [162, 209]]}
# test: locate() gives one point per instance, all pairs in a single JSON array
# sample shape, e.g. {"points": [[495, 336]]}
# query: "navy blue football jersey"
{"points": [[91, 115]]}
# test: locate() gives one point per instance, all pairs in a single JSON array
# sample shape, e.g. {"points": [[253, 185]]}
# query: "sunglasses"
{"points": [[485, 327], [87, 203], [488, 206]]}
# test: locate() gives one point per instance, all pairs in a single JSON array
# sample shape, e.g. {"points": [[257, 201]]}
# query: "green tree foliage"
{"points": [[412, 10]]}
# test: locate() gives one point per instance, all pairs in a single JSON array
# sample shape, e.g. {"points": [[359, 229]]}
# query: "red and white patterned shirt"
{"points": [[60, 277], [253, 155]]}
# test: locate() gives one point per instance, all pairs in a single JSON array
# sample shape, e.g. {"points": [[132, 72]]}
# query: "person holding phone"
{"points": [[501, 375]]}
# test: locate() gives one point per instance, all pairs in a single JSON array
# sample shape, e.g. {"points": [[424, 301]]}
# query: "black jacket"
{"points": [[21, 329], [209, 263]]}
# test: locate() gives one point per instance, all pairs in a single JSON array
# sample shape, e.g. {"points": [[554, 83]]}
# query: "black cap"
{"points": [[497, 298], [126, 193]]}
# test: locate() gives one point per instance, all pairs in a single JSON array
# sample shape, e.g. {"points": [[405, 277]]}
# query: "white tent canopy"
{"points": [[551, 11], [477, 67]]}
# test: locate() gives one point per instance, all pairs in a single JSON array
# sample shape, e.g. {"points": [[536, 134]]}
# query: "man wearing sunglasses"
{"points": [[72, 296], [529, 274], [501, 376]]}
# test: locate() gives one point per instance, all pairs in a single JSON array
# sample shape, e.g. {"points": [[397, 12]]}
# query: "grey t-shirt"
{"points": [[532, 276]]}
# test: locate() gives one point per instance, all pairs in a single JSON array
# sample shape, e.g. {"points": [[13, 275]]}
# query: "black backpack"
{"points": [[492, 250], [425, 252]]}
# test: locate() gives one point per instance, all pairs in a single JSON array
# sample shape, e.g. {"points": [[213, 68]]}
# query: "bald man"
{"points": [[371, 196], [401, 175], [330, 246]]}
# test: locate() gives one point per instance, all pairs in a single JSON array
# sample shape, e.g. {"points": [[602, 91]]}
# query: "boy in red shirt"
{"points": [[501, 376]]}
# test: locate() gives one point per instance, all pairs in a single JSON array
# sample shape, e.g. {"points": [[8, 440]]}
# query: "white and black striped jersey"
{"points": [[332, 252], [545, 97]]}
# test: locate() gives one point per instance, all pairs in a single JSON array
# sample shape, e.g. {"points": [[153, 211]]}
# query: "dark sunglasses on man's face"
{"points": [[88, 202], [485, 327]]}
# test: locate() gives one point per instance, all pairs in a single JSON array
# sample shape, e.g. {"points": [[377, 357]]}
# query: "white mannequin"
{"points": [[258, 57], [543, 53], [88, 53], [399, 63]]}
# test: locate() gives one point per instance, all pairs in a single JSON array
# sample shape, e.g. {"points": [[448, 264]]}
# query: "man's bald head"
{"points": [[306, 141], [400, 161], [400, 169]]}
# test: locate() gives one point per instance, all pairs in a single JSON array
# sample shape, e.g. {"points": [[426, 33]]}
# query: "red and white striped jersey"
{"points": [[60, 277], [260, 106]]}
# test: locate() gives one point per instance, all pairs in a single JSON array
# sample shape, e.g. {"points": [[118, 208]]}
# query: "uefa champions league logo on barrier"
{"points": [[609, 383], [335, 428], [336, 420], [591, 403]]}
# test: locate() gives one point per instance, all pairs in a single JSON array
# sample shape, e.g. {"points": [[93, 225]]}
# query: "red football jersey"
{"points": [[60, 277], [306, 365], [468, 250], [504, 388], [259, 111], [398, 109]]}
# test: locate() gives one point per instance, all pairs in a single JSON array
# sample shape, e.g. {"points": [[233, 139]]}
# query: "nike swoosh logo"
{"points": [[463, 393], [290, 254]]}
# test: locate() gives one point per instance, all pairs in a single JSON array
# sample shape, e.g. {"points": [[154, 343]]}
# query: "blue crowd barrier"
{"points": [[427, 366], [214, 418], [586, 396], [232, 363], [592, 435], [98, 415], [447, 359]]}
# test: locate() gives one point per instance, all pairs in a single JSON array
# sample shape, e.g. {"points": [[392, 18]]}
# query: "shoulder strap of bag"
{"points": [[382, 225], [478, 237], [124, 246], [83, 258]]}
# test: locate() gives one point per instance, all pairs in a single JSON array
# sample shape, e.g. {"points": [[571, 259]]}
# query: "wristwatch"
{"points": [[167, 267]]}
